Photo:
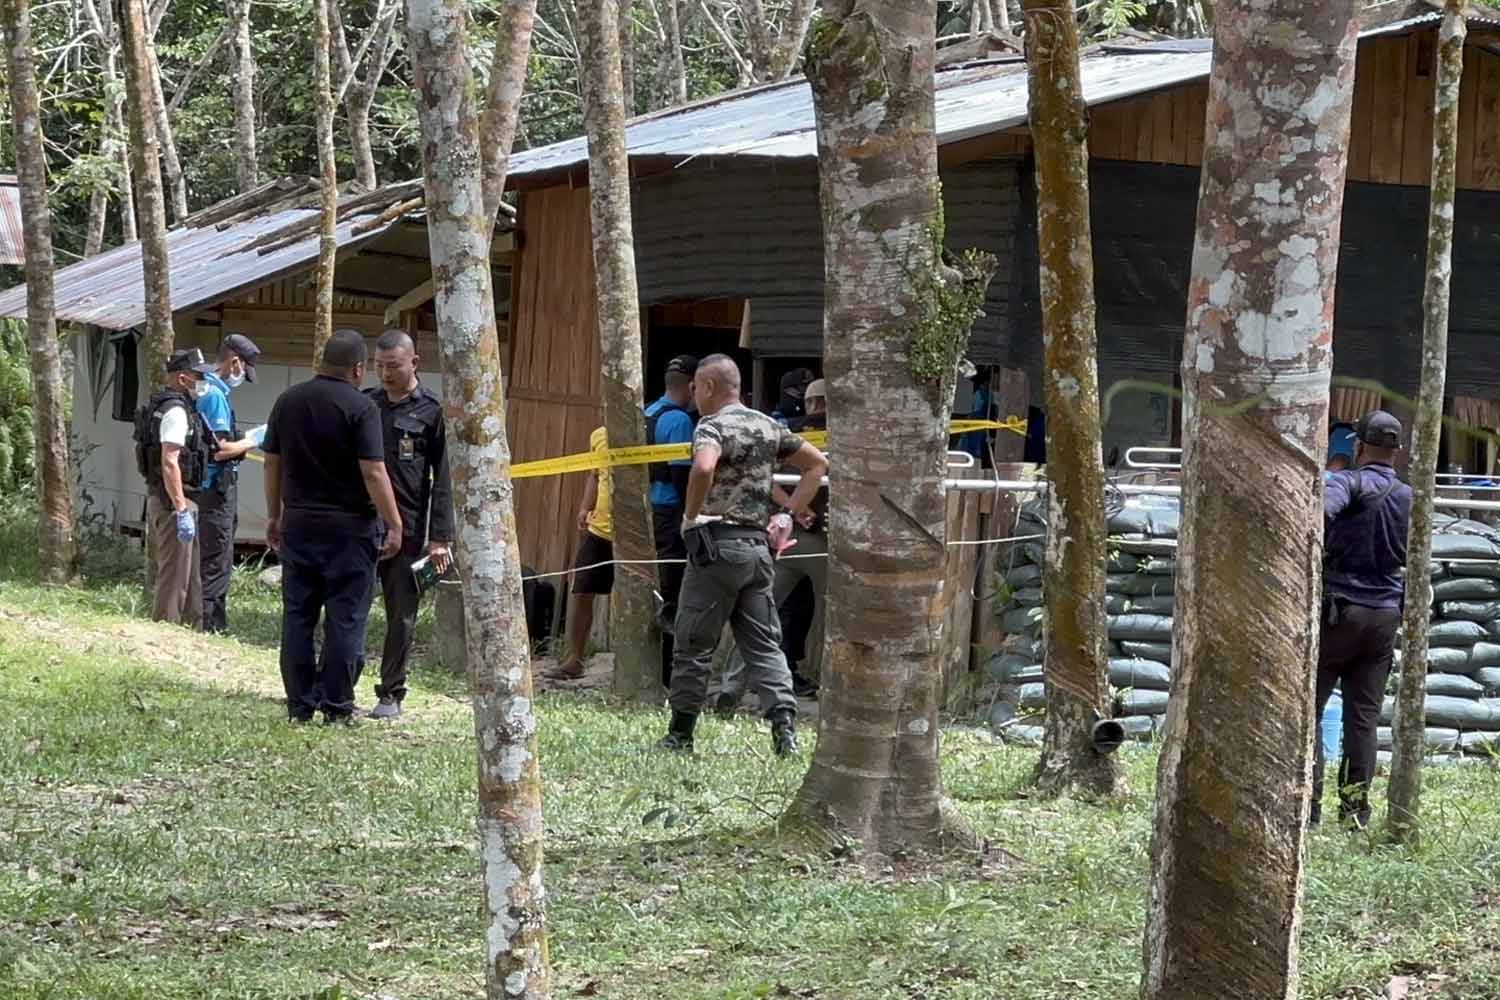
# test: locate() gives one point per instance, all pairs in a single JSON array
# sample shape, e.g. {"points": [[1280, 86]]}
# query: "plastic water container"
{"points": [[1332, 728]]}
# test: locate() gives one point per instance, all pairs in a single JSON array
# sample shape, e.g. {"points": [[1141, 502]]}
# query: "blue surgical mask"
{"points": [[235, 380]]}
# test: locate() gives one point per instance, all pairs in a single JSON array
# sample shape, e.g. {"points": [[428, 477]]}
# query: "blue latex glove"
{"points": [[187, 528]]}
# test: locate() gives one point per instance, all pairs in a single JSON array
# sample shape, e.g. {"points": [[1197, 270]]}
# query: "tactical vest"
{"points": [[196, 453], [661, 472]]}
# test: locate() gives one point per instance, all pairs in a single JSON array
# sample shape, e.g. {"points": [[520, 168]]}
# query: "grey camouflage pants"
{"points": [[736, 589]]}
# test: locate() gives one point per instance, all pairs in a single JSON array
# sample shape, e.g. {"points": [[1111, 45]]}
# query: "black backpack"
{"points": [[195, 455], [661, 472]]}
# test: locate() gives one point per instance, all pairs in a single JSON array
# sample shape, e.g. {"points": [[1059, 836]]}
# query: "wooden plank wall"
{"points": [[1390, 127], [554, 367]]}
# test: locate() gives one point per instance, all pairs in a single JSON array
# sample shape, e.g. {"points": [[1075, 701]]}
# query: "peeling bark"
{"points": [[1405, 790], [328, 181], [874, 775], [632, 611], [246, 171], [502, 99], [1077, 680], [1225, 908], [49, 417], [157, 342], [488, 556]]}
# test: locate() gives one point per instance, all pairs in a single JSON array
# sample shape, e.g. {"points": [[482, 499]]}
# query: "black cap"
{"points": [[189, 360], [797, 380], [1380, 430], [244, 348], [683, 364]]}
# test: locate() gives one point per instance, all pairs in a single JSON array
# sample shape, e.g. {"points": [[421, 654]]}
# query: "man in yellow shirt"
{"points": [[593, 567]]}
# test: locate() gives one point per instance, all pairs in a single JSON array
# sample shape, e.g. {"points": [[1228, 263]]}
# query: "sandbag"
{"points": [[1012, 668], [1141, 585], [1454, 686], [1150, 605], [1033, 695], [1161, 652], [1480, 743], [1463, 713], [1140, 628], [1489, 679], [1028, 597], [1034, 553], [1455, 633], [1447, 546], [1021, 735], [1470, 611], [1465, 588], [1024, 576], [1483, 654], [1487, 570], [1158, 566], [1117, 604], [1143, 521], [1141, 702], [1140, 727], [1121, 562], [1447, 659], [1436, 738], [1021, 621], [1147, 674]]}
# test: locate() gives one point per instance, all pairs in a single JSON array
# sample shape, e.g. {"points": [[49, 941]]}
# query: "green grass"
{"points": [[165, 834]]}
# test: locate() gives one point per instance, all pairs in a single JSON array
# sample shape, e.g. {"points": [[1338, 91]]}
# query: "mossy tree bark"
{"points": [[1405, 791], [1073, 580], [246, 172], [896, 322], [328, 180], [1225, 907], [636, 644], [488, 555], [49, 395]]}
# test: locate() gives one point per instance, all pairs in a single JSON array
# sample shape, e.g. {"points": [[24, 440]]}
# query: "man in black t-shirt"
{"points": [[325, 482]]}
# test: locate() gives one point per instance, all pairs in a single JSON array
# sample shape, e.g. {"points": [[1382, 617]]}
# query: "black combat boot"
{"points": [[680, 733], [784, 732]]}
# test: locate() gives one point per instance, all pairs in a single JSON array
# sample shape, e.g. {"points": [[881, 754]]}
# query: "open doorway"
{"points": [[697, 328]]}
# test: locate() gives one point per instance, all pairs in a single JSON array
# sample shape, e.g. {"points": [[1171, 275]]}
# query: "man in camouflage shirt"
{"points": [[730, 575]]}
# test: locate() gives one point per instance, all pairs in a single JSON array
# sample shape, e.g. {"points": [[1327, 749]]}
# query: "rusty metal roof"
{"points": [[12, 243]]}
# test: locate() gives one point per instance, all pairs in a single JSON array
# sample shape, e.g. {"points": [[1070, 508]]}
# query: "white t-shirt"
{"points": [[174, 426]]}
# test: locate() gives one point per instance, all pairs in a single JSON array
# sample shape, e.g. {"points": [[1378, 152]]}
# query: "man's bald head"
{"points": [[716, 383], [396, 363], [394, 340]]}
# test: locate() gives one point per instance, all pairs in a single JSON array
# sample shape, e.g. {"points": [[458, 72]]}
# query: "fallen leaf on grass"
{"points": [[384, 944], [32, 747], [588, 989]]}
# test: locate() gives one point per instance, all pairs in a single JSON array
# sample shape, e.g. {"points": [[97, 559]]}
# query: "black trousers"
{"points": [[1356, 654], [399, 589], [327, 568], [668, 524], [218, 518]]}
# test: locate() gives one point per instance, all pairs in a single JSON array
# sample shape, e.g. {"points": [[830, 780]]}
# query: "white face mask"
{"points": [[235, 380], [200, 389]]}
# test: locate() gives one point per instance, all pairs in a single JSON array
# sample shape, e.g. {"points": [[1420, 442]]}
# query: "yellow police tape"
{"points": [[587, 461], [646, 454]]}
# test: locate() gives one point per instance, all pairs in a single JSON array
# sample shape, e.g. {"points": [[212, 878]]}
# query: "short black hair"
{"points": [[344, 350], [391, 340]]}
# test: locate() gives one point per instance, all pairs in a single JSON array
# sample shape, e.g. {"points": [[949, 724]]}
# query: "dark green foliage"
{"points": [[17, 432]]}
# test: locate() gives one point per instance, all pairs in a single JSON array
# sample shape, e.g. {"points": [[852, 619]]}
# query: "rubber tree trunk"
{"points": [[789, 43], [1405, 791], [627, 55], [110, 150], [896, 321], [502, 101], [488, 556], [246, 171], [171, 163], [1073, 581], [150, 201], [637, 651], [49, 396], [358, 95], [1225, 907], [328, 181], [675, 64]]}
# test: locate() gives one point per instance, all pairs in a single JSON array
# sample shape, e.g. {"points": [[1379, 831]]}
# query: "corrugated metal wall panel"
{"points": [[755, 232]]}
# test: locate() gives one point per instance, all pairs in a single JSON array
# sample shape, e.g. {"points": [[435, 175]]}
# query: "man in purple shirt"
{"points": [[1366, 510]]}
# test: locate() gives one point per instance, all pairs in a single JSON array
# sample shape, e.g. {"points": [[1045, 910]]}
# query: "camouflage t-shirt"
{"points": [[751, 445]]}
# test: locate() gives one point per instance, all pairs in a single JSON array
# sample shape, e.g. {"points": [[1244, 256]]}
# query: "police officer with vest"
{"points": [[416, 460], [1366, 512], [173, 446], [218, 507], [669, 421]]}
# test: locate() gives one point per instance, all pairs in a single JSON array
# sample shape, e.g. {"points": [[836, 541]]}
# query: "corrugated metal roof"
{"points": [[208, 264], [12, 243], [777, 120], [1474, 19]]}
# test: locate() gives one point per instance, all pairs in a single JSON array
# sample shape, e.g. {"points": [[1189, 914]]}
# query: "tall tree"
{"points": [[150, 201], [674, 66], [896, 321], [488, 558], [627, 55], [502, 103], [637, 657], [171, 163], [767, 51], [1225, 906], [357, 93], [328, 180], [107, 33], [1405, 792], [246, 170], [1077, 680], [49, 396]]}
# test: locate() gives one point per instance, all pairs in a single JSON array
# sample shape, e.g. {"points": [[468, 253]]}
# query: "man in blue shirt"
{"points": [[668, 421], [1366, 512], [218, 507]]}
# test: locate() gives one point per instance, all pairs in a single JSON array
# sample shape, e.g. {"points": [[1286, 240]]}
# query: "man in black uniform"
{"points": [[416, 460], [325, 482], [1366, 510]]}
